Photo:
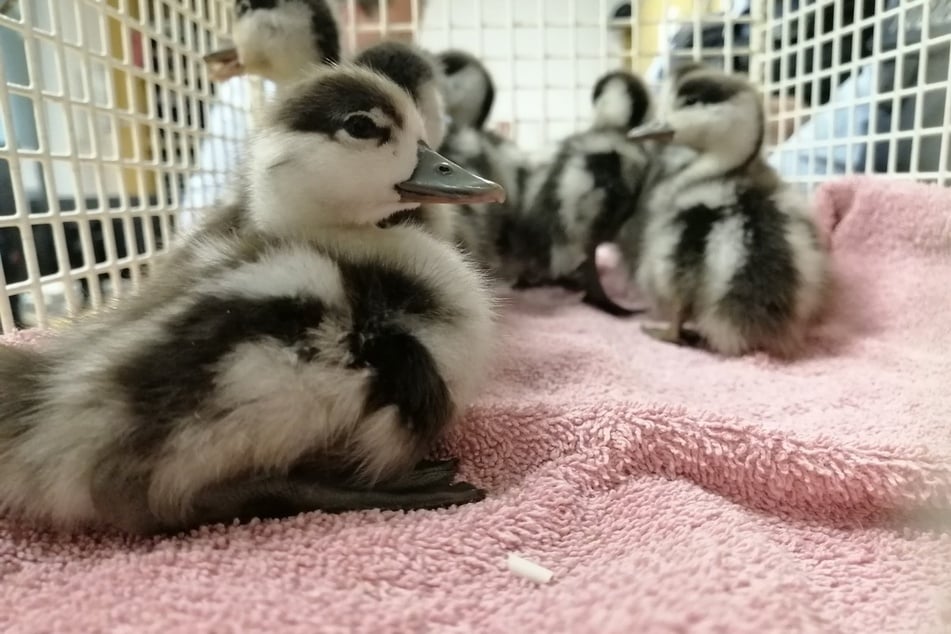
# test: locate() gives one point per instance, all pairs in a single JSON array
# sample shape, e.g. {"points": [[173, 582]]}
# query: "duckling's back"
{"points": [[778, 279], [743, 261]]}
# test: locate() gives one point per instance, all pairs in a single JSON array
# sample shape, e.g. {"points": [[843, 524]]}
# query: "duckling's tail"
{"points": [[22, 371]]}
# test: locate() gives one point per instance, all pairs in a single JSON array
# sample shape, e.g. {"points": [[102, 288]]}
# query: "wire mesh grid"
{"points": [[112, 136], [104, 109]]}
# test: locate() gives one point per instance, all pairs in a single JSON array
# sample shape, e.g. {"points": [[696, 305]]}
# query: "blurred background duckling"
{"points": [[469, 95], [306, 362], [723, 242], [469, 87], [581, 197], [278, 40]]}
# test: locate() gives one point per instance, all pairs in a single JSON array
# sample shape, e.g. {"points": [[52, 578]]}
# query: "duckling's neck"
{"points": [[289, 214], [723, 160], [703, 167], [296, 214]]}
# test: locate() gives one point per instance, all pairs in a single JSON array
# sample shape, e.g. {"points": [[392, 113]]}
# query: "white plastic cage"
{"points": [[111, 133]]}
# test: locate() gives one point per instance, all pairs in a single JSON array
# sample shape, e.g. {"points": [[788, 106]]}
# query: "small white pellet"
{"points": [[529, 569]]}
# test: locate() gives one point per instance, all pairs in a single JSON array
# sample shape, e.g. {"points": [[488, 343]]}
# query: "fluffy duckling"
{"points": [[469, 93], [259, 33], [484, 230], [305, 362], [278, 40], [580, 198], [469, 88], [473, 227], [722, 241], [418, 74]]}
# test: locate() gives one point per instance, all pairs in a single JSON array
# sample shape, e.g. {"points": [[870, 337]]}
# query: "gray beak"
{"points": [[653, 131], [223, 64], [222, 54], [439, 180]]}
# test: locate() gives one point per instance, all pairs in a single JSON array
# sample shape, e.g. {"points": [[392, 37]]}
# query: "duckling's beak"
{"points": [[653, 131], [223, 64], [439, 180]]}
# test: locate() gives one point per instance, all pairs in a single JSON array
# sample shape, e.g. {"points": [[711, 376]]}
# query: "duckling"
{"points": [[304, 362], [469, 93], [277, 40], [416, 71], [469, 87], [723, 242], [474, 228], [580, 198], [485, 230]]}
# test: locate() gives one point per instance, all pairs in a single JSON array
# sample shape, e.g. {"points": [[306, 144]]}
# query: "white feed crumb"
{"points": [[529, 569]]}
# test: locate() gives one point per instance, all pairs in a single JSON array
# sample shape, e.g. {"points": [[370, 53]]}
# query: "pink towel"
{"points": [[668, 490]]}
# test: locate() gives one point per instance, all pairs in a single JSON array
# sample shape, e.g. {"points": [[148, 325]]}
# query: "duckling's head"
{"points": [[470, 91], [278, 40], [347, 146], [418, 74], [716, 114], [621, 100]]}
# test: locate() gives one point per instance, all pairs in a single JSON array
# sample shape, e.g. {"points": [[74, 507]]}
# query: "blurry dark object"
{"points": [[814, 23]]}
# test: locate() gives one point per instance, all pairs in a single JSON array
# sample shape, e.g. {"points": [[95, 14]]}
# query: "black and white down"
{"points": [[582, 196], [288, 356]]}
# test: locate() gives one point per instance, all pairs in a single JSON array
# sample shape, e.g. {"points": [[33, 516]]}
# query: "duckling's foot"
{"points": [[429, 485], [426, 474], [275, 496], [673, 333], [600, 301], [431, 497]]}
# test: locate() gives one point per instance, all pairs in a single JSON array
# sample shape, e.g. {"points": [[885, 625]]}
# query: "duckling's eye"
{"points": [[360, 126], [691, 100]]}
